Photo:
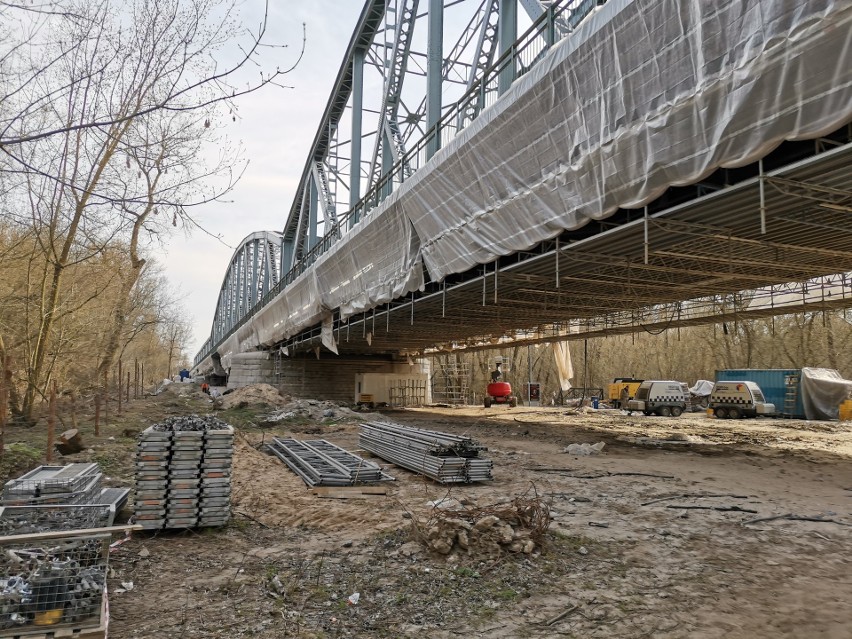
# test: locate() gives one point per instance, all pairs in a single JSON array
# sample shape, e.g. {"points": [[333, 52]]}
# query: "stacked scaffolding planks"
{"points": [[183, 473], [445, 458], [320, 463]]}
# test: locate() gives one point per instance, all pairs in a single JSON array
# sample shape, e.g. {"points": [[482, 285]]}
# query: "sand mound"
{"points": [[255, 395]]}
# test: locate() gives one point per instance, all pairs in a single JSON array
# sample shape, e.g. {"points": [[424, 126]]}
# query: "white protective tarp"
{"points": [[564, 367], [376, 262], [297, 307], [646, 94], [372, 264], [702, 388], [823, 390]]}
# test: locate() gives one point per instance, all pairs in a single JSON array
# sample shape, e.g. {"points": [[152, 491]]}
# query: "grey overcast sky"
{"points": [[276, 128]]}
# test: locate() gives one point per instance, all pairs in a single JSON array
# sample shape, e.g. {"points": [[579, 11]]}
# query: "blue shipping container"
{"points": [[772, 382]]}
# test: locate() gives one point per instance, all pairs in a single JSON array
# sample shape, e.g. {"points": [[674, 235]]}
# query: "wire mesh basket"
{"points": [[21, 520], [53, 579], [72, 484]]}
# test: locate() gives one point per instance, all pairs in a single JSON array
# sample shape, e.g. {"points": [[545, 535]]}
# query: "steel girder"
{"points": [[254, 269], [390, 48]]}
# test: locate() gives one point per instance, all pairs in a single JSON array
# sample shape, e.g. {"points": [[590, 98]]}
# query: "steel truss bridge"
{"points": [[392, 244]]}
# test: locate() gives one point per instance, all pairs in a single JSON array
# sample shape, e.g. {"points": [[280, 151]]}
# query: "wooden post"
{"points": [[73, 409], [106, 401], [97, 413], [119, 386], [142, 377], [5, 377], [51, 423], [127, 389], [135, 379]]}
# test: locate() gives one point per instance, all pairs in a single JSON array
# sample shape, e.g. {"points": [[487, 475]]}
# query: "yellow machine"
{"points": [[616, 390]]}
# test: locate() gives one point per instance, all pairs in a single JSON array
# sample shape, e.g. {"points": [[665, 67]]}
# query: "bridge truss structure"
{"points": [[417, 74]]}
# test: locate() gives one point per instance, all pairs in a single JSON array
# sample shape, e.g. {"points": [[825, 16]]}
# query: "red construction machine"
{"points": [[499, 393]]}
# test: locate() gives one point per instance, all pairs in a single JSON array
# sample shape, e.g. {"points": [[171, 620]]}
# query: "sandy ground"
{"points": [[651, 538]]}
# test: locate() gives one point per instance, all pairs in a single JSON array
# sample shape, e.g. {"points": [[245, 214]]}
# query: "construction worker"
{"points": [[205, 388], [496, 375]]}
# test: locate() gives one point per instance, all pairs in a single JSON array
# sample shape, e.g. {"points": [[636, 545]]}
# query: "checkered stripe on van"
{"points": [[730, 400], [667, 398]]}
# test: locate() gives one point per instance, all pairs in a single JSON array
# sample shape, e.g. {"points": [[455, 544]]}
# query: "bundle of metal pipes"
{"points": [[446, 458], [320, 463]]}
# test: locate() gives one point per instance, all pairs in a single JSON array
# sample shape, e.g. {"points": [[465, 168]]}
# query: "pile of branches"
{"points": [[516, 526]]}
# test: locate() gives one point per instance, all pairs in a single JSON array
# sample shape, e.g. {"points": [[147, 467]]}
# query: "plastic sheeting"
{"points": [[646, 94], [371, 265], [374, 263], [702, 388], [823, 390], [564, 367]]}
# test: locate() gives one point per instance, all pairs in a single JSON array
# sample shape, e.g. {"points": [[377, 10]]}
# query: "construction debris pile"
{"points": [[183, 473], [445, 458], [320, 463], [517, 527]]}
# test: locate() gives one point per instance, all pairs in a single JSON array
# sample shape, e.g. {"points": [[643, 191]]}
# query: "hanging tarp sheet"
{"points": [[564, 367], [297, 307], [646, 94], [375, 263], [823, 390], [371, 265]]}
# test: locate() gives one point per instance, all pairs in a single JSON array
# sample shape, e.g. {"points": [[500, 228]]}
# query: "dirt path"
{"points": [[649, 539]]}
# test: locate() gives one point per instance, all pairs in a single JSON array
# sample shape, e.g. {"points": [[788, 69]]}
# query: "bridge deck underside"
{"points": [[711, 246]]}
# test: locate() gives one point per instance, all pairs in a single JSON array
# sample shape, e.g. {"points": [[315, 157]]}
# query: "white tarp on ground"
{"points": [[823, 390], [644, 95]]}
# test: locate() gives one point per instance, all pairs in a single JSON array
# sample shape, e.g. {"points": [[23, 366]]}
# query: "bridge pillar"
{"points": [[251, 368], [330, 377]]}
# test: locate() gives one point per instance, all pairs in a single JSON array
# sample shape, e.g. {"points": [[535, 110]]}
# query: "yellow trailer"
{"points": [[616, 391]]}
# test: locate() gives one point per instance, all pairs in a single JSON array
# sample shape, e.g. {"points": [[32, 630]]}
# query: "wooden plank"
{"points": [[364, 490], [60, 534]]}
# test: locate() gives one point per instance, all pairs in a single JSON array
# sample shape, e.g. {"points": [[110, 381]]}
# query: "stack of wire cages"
{"points": [[72, 484], [50, 578]]}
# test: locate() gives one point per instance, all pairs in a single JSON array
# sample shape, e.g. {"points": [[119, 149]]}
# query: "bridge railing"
{"points": [[556, 23]]}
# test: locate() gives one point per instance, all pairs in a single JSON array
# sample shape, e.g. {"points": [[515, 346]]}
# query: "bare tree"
{"points": [[107, 129]]}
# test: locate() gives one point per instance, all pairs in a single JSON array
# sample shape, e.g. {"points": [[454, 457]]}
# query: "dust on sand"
{"points": [[650, 538]]}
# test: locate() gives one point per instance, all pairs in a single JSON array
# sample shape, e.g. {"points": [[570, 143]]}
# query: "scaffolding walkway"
{"points": [[320, 463]]}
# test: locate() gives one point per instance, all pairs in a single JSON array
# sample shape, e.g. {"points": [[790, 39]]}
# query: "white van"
{"points": [[666, 398], [732, 400]]}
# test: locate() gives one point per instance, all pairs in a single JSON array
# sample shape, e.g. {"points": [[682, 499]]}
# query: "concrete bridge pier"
{"points": [[246, 369], [330, 377]]}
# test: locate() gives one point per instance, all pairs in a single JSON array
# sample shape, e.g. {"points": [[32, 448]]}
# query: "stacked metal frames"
{"points": [[445, 458], [320, 463]]}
